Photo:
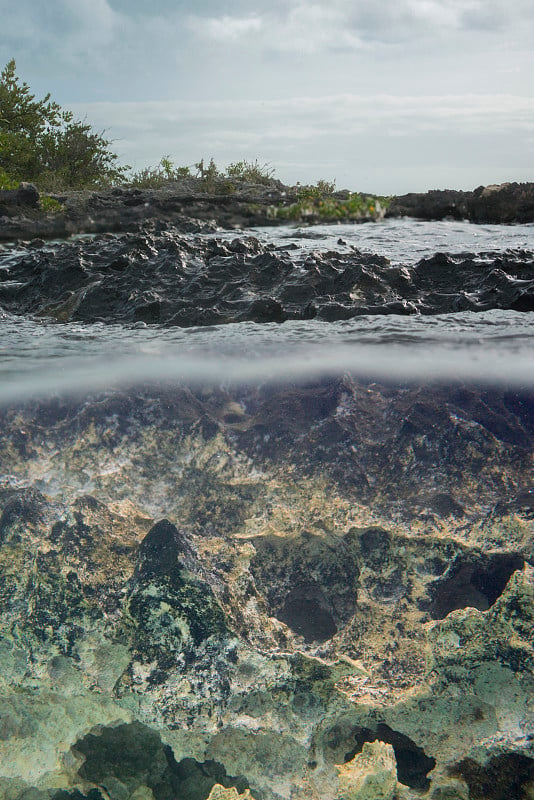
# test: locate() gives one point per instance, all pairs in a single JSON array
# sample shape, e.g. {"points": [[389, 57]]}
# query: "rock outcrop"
{"points": [[12, 200], [162, 276], [371, 775], [191, 206], [500, 203]]}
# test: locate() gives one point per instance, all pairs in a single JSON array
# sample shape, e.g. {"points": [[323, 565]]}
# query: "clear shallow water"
{"points": [[39, 357], [492, 347]]}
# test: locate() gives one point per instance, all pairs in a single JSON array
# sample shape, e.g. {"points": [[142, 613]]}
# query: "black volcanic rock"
{"points": [[11, 200], [435, 204], [160, 276], [190, 207]]}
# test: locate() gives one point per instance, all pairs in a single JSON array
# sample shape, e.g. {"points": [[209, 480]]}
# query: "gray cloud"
{"points": [[354, 138], [314, 26], [395, 94]]}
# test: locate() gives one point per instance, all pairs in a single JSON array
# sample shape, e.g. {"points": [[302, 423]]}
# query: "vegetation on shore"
{"points": [[313, 202], [211, 179], [43, 144]]}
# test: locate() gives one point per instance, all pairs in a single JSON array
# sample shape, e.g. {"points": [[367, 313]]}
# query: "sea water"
{"points": [[39, 356]]}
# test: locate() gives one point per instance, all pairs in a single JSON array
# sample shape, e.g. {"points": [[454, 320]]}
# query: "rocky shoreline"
{"points": [[188, 203], [506, 203]]}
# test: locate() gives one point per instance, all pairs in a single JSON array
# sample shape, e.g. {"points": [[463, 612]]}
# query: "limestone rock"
{"points": [[256, 591], [221, 793], [371, 775]]}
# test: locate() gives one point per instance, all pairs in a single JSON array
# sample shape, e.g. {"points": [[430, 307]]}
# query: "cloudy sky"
{"points": [[401, 95]]}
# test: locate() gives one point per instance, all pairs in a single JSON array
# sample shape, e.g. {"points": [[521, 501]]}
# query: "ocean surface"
{"points": [[38, 356]]}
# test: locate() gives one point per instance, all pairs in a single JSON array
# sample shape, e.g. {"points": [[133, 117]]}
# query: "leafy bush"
{"points": [[49, 205], [209, 175], [41, 142], [6, 182], [321, 189], [212, 179]]}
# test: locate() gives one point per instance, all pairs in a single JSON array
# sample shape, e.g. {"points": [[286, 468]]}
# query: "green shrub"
{"points": [[6, 182], [209, 175], [250, 172], [321, 189], [212, 179], [49, 205], [311, 207]]}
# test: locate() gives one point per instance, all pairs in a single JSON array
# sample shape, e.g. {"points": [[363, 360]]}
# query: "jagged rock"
{"points": [[504, 203], [371, 775], [12, 199], [160, 276], [435, 204]]}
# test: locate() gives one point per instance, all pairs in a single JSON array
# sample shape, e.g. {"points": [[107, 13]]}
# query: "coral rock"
{"points": [[371, 775]]}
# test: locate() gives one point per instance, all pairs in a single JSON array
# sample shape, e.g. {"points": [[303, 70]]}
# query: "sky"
{"points": [[388, 97]]}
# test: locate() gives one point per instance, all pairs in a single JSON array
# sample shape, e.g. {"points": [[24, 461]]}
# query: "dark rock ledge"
{"points": [[501, 203], [159, 276], [124, 209]]}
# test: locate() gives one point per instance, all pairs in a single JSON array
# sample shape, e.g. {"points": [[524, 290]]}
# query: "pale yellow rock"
{"points": [[219, 792], [142, 793], [371, 775]]}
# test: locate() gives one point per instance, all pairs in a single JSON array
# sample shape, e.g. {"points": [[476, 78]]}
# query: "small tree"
{"points": [[23, 120], [77, 156], [41, 142]]}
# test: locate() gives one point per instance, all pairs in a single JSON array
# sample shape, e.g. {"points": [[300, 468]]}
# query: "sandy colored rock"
{"points": [[221, 793], [371, 775]]}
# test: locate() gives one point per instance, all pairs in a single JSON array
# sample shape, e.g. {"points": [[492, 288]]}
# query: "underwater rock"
{"points": [[220, 793], [371, 775], [249, 586]]}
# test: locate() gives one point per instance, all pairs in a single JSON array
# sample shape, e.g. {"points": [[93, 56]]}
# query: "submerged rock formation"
{"points": [[227, 592], [371, 775]]}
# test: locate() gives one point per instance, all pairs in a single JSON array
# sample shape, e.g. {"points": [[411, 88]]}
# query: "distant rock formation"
{"points": [[190, 208], [504, 203]]}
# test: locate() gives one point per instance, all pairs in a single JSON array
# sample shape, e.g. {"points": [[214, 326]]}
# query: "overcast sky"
{"points": [[394, 96]]}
